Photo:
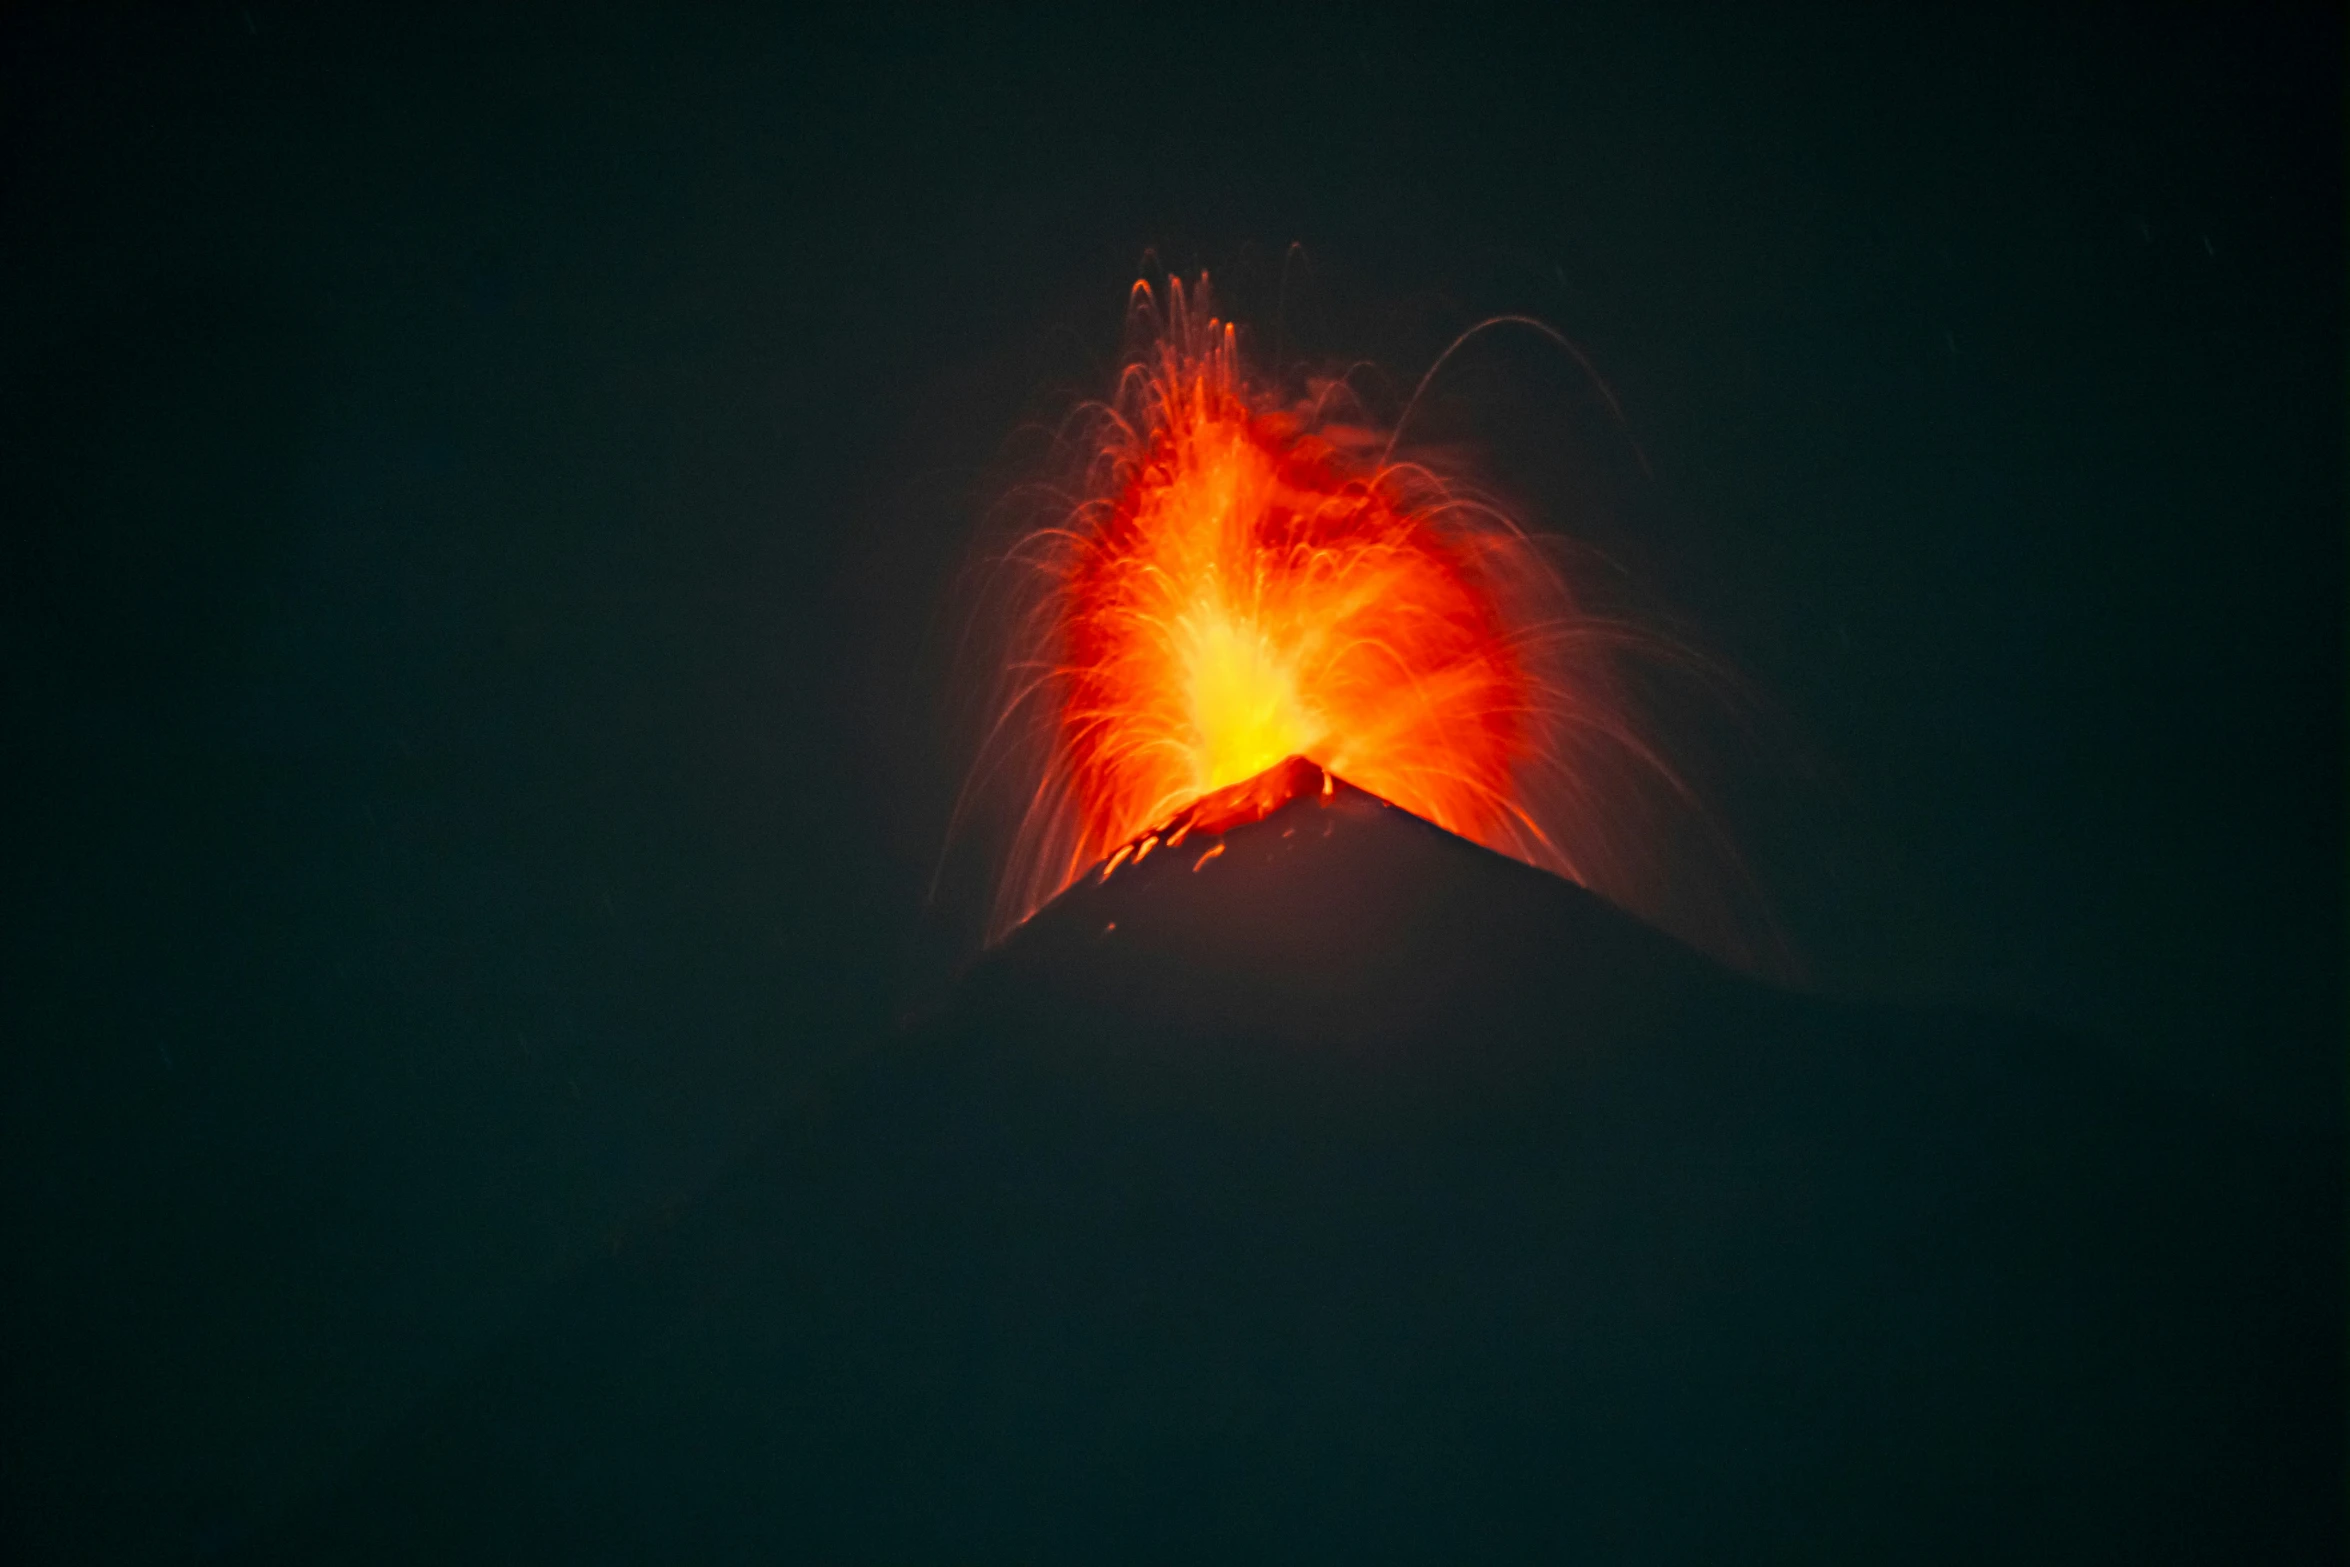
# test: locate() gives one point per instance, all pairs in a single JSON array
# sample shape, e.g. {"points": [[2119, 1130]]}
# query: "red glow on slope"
{"points": [[1234, 805]]}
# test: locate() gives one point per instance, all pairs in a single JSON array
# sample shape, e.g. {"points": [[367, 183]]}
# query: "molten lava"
{"points": [[1247, 588], [1234, 805], [1242, 573]]}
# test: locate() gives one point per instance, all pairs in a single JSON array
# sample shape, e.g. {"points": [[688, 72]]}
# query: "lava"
{"points": [[1244, 574], [1251, 591], [1234, 805]]}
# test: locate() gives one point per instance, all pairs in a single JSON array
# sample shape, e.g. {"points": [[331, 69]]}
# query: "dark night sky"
{"points": [[481, 498]]}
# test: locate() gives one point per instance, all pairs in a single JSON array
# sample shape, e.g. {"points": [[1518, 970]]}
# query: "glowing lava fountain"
{"points": [[1239, 577]]}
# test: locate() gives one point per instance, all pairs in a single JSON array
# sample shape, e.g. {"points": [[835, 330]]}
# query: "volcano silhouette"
{"points": [[1320, 1185]]}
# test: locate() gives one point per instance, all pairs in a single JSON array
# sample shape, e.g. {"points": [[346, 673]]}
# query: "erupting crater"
{"points": [[1243, 579]]}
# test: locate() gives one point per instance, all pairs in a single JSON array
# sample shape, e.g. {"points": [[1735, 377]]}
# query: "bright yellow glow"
{"points": [[1245, 710]]}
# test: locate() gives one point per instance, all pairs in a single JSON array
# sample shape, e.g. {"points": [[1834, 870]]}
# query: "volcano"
{"points": [[1309, 1182]]}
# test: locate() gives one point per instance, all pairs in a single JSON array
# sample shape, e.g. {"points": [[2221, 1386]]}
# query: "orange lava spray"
{"points": [[1238, 578], [1247, 590]]}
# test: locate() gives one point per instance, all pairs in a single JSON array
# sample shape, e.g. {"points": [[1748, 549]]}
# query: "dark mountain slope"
{"points": [[1331, 1187]]}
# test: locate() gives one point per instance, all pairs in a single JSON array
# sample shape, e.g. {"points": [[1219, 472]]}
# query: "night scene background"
{"points": [[485, 497]]}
